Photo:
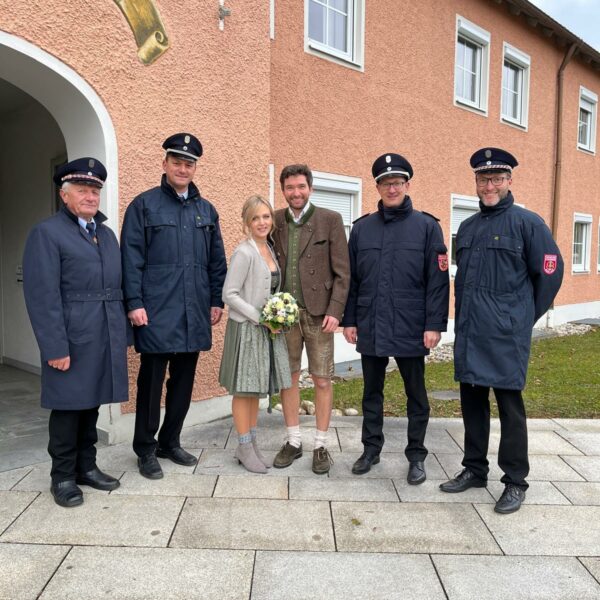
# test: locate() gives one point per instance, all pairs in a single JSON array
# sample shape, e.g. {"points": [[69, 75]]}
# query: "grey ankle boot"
{"points": [[246, 455], [265, 461]]}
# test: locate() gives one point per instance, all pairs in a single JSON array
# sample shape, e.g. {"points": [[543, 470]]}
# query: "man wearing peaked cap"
{"points": [[72, 287], [509, 270], [173, 272], [397, 306]]}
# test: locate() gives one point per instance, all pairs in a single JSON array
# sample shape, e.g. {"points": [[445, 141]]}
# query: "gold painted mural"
{"points": [[148, 30]]}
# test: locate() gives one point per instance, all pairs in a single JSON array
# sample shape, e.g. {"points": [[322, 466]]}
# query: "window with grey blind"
{"points": [[462, 208]]}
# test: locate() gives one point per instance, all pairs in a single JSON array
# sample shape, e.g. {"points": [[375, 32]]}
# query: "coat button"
{"points": [[314, 287], [308, 256], [312, 271]]}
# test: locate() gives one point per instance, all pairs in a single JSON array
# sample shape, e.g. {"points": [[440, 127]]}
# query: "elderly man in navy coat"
{"points": [[173, 272], [509, 270], [397, 306], [72, 286]]}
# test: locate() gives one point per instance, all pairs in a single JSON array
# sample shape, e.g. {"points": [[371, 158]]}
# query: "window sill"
{"points": [[515, 124], [580, 272], [586, 150], [470, 107], [332, 56]]}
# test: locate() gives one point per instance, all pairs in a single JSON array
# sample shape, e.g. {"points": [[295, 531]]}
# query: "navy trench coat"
{"points": [[73, 295], [174, 266], [509, 270], [399, 285]]}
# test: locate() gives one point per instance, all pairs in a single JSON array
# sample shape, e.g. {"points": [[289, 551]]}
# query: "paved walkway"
{"points": [[216, 532]]}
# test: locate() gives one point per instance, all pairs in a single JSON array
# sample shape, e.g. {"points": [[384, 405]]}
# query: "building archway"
{"points": [[50, 114]]}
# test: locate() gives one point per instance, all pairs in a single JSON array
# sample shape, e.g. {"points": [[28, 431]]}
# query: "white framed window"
{"points": [[586, 130], [471, 66], [340, 193], [335, 30], [462, 207], [515, 86], [582, 230]]}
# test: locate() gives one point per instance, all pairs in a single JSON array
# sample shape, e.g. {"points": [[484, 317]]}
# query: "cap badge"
{"points": [[488, 154], [91, 163], [389, 169], [90, 173], [388, 159], [185, 147], [186, 139]]}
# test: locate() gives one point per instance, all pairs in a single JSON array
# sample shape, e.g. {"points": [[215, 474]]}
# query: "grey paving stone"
{"points": [[539, 492], [522, 577], [586, 493], [410, 528], [246, 486], [588, 467], [356, 489], [540, 442], [10, 478], [25, 569], [580, 425], [104, 520], [587, 442], [172, 484], [331, 576], [254, 524], [207, 435], [395, 440], [541, 467], [546, 530], [119, 458], [222, 462], [22, 451], [593, 564], [12, 504], [391, 465], [152, 574], [429, 491]]}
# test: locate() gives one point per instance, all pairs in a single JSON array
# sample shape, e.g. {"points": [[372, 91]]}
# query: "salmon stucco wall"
{"points": [[213, 83], [339, 119]]}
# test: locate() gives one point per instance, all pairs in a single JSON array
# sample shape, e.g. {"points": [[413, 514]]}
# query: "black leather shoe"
{"points": [[177, 455], [98, 480], [149, 467], [66, 493], [511, 499], [364, 463], [416, 472], [287, 455], [463, 481]]}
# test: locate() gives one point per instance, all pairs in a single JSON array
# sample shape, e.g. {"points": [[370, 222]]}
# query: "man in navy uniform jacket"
{"points": [[72, 286], [397, 306], [509, 270], [173, 272]]}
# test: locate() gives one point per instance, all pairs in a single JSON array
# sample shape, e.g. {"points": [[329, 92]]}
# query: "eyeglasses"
{"points": [[388, 185], [482, 181]]}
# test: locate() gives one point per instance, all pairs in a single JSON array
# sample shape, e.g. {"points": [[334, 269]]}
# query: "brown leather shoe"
{"points": [[322, 461], [287, 455]]}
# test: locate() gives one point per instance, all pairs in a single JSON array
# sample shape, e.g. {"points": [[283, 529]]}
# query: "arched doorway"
{"points": [[48, 114]]}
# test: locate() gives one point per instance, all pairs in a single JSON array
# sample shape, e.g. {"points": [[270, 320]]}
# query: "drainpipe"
{"points": [[554, 215]]}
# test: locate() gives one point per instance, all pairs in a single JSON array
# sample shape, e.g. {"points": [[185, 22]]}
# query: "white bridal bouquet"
{"points": [[280, 312]]}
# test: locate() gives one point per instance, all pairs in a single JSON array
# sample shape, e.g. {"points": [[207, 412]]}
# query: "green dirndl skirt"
{"points": [[253, 364]]}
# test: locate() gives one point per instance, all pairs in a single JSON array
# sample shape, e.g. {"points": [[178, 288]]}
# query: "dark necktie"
{"points": [[91, 229]]}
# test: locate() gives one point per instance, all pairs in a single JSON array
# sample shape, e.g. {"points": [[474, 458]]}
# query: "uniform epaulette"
{"points": [[359, 218], [430, 215]]}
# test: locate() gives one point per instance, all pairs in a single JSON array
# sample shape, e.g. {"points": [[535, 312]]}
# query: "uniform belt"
{"points": [[107, 295]]}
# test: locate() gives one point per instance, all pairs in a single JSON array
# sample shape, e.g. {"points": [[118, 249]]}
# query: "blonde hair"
{"points": [[249, 209]]}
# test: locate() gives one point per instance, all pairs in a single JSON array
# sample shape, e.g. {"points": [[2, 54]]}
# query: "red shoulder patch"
{"points": [[550, 262], [443, 262]]}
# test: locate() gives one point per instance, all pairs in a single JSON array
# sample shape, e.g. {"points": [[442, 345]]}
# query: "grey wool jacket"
{"points": [[247, 286]]}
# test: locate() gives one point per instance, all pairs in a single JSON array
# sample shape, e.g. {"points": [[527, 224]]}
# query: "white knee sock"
{"points": [[320, 439], [294, 437]]}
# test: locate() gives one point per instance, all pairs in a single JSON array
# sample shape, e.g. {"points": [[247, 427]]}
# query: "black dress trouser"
{"points": [[153, 368], [412, 370], [512, 454], [72, 445]]}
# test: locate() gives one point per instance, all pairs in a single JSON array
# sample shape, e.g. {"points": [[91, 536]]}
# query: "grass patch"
{"points": [[563, 381]]}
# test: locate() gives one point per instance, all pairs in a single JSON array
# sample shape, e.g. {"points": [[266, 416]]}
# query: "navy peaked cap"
{"points": [[186, 145], [391, 165], [493, 159], [86, 170]]}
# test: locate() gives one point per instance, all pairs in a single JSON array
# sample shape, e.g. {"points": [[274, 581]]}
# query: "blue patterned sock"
{"points": [[245, 438], [253, 432]]}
